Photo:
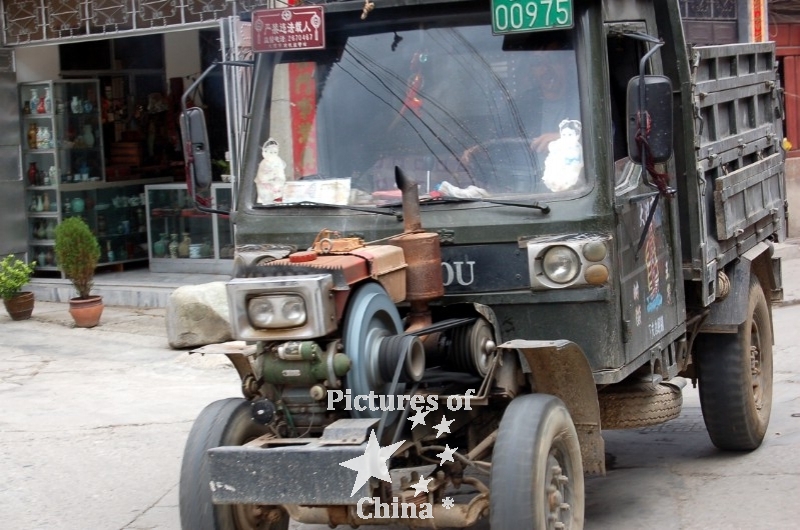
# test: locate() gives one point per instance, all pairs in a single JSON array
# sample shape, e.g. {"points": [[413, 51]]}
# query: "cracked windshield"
{"points": [[461, 111]]}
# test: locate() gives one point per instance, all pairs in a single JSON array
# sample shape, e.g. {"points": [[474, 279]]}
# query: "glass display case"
{"points": [[115, 212], [183, 239]]}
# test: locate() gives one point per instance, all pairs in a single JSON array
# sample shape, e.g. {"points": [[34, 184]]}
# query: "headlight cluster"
{"points": [[276, 311], [281, 308], [568, 262]]}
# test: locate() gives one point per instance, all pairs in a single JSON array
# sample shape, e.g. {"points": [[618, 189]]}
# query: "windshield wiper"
{"points": [[533, 204], [367, 209]]}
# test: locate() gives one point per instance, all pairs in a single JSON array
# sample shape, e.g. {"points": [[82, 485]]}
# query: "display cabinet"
{"points": [[64, 169], [62, 140], [61, 145], [183, 239], [114, 211]]}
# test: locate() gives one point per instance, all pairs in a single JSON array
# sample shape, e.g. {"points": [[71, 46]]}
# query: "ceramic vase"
{"points": [[48, 101], [34, 101], [160, 247], [32, 172], [33, 133], [88, 136], [75, 105], [183, 248], [173, 246], [78, 205]]}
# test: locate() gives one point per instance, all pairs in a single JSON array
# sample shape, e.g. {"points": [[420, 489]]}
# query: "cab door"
{"points": [[651, 307]]}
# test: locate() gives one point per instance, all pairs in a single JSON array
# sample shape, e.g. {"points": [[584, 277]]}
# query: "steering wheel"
{"points": [[505, 165]]}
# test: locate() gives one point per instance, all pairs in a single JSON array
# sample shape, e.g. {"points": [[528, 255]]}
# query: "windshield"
{"points": [[463, 112]]}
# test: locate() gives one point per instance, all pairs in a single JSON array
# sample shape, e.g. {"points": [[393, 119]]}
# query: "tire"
{"points": [[735, 373], [223, 422], [640, 405], [536, 467]]}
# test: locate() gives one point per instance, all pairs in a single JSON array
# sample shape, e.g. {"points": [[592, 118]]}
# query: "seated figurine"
{"points": [[564, 163], [271, 175]]}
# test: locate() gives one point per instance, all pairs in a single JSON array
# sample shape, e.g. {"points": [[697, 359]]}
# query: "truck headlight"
{"points": [[276, 311], [561, 264], [281, 308], [569, 260]]}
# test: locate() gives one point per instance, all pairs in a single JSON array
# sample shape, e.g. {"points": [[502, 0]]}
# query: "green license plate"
{"points": [[519, 16]]}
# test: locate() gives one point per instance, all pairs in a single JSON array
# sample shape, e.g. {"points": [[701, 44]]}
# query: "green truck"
{"points": [[470, 236]]}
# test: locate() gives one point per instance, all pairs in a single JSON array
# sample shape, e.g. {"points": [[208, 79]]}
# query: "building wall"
{"points": [[181, 50], [787, 38], [793, 195]]}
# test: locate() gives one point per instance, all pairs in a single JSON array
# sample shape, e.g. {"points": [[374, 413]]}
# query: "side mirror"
{"points": [[195, 146], [656, 111]]}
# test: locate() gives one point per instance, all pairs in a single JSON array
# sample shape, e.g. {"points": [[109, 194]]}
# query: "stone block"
{"points": [[198, 315]]}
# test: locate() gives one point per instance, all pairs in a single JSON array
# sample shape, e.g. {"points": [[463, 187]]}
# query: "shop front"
{"points": [[92, 91]]}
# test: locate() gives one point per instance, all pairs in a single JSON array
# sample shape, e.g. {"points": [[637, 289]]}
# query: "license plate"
{"points": [[519, 16]]}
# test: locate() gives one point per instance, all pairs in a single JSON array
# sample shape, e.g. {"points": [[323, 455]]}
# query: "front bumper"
{"points": [[306, 472]]}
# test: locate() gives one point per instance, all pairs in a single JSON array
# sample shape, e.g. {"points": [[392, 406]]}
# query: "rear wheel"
{"points": [[224, 422], [537, 472], [735, 373]]}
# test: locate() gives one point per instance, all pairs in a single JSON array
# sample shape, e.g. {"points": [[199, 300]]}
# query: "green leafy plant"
{"points": [[14, 274], [77, 254]]}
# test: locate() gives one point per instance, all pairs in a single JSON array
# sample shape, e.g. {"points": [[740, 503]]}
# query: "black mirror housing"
{"points": [[658, 108], [196, 149]]}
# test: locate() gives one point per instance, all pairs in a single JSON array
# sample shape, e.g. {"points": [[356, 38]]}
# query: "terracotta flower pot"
{"points": [[86, 311], [19, 306]]}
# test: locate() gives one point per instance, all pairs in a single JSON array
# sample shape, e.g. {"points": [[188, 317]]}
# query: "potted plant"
{"points": [[77, 255], [14, 274]]}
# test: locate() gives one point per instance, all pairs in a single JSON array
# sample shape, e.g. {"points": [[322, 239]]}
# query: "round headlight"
{"points": [[261, 311], [561, 264], [294, 310]]}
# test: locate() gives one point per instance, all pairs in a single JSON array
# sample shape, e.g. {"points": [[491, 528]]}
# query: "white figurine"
{"points": [[271, 175], [564, 162]]}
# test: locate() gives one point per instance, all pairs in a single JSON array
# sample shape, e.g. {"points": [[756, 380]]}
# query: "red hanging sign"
{"points": [[289, 28]]}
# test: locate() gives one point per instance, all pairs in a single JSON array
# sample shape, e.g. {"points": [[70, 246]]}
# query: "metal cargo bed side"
{"points": [[739, 158]]}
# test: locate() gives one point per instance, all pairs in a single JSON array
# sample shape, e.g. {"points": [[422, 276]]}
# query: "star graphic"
{"points": [[421, 486], [447, 503], [443, 427], [447, 454], [418, 418], [372, 463]]}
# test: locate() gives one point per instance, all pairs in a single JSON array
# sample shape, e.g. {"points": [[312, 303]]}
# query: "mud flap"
{"points": [[726, 314], [560, 368]]}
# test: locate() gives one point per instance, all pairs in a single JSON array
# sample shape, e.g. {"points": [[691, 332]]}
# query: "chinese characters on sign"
{"points": [[289, 29]]}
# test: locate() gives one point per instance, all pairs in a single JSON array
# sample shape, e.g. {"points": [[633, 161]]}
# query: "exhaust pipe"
{"points": [[412, 221], [423, 256]]}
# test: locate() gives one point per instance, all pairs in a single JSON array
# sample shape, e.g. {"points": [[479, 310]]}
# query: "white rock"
{"points": [[198, 315]]}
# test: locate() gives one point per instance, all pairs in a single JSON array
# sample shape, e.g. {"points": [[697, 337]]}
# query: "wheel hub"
{"points": [[556, 496], [755, 372]]}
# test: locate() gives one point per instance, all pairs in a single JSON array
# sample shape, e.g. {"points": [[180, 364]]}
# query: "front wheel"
{"points": [[537, 472], [223, 422], [735, 373]]}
